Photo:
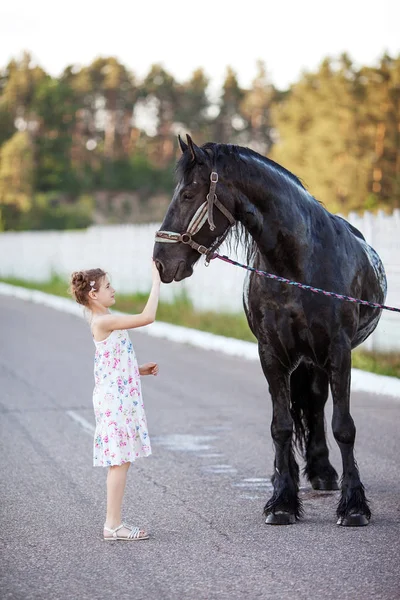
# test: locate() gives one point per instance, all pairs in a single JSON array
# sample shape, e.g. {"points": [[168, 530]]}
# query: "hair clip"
{"points": [[92, 284]]}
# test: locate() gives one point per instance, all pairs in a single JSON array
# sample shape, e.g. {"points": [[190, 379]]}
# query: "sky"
{"points": [[290, 36]]}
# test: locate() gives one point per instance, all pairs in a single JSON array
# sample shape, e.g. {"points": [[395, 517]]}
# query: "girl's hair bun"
{"points": [[80, 284]]}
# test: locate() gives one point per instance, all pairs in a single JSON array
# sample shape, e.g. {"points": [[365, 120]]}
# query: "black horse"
{"points": [[304, 339]]}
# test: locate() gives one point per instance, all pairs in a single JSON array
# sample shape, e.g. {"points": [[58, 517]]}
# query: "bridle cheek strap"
{"points": [[211, 198], [202, 214]]}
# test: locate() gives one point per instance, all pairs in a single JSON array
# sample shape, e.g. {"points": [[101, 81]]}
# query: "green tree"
{"points": [[106, 92], [319, 135], [55, 106], [381, 122], [19, 84], [192, 107], [7, 127], [230, 122], [16, 178], [255, 108], [160, 90]]}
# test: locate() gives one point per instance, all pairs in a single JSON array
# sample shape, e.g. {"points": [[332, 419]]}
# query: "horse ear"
{"points": [[194, 150], [182, 144]]}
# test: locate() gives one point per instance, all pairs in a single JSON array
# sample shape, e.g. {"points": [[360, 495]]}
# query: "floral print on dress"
{"points": [[121, 433]]}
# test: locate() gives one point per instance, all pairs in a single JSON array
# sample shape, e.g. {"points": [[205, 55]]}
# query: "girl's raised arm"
{"points": [[104, 325]]}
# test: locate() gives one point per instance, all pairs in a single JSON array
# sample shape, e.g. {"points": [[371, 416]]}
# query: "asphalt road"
{"points": [[200, 494]]}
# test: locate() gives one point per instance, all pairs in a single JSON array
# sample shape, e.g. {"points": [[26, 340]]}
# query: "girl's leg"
{"points": [[116, 480]]}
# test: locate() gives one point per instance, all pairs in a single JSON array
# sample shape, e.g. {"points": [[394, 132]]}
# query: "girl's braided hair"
{"points": [[82, 282]]}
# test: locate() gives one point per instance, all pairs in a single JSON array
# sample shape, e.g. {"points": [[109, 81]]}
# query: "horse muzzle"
{"points": [[175, 271]]}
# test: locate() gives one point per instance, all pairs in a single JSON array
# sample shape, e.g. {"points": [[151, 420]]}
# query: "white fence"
{"points": [[125, 252]]}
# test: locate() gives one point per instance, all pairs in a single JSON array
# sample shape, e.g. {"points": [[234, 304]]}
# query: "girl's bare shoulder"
{"points": [[99, 327]]}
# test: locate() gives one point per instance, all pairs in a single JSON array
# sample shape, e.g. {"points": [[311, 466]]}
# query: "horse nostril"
{"points": [[159, 266]]}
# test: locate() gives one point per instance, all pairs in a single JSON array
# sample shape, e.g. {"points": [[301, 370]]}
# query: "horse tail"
{"points": [[300, 384]]}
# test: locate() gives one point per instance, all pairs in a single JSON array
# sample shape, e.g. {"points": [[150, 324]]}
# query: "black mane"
{"points": [[221, 152]]}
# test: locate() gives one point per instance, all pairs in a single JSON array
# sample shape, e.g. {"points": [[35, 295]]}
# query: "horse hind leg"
{"points": [[309, 387], [353, 508]]}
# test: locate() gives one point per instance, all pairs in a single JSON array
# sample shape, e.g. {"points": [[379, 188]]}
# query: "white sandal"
{"points": [[133, 535]]}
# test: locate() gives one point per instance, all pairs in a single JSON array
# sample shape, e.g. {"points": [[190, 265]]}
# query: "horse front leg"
{"points": [[353, 509], [284, 507]]}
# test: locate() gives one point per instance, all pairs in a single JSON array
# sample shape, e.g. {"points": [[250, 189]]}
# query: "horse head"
{"points": [[197, 219]]}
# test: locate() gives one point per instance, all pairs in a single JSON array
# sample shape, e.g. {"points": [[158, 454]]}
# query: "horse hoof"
{"points": [[355, 520], [325, 485], [280, 518]]}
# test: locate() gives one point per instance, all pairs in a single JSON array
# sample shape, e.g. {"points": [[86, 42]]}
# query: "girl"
{"points": [[121, 429]]}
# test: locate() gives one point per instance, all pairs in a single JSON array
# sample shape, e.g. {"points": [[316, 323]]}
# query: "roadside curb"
{"points": [[361, 381]]}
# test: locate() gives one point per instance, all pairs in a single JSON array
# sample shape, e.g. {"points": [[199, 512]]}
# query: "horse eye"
{"points": [[187, 196]]}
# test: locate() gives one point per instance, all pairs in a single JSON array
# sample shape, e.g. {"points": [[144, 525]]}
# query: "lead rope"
{"points": [[303, 286]]}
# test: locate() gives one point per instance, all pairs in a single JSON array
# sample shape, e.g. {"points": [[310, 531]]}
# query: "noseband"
{"points": [[203, 213]]}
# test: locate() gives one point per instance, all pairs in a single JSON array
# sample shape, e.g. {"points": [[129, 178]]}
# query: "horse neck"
{"points": [[272, 208]]}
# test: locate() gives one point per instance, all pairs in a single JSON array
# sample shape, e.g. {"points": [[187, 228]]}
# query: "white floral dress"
{"points": [[121, 433]]}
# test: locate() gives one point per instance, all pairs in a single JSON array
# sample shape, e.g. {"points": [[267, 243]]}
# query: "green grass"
{"points": [[181, 312], [380, 363]]}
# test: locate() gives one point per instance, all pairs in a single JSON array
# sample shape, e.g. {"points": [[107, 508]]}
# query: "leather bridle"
{"points": [[204, 213]]}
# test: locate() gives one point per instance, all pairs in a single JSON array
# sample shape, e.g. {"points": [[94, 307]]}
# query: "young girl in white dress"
{"points": [[121, 434]]}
